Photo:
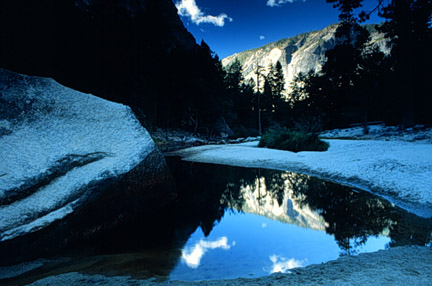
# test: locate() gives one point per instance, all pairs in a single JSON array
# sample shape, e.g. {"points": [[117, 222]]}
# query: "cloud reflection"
{"points": [[192, 256], [282, 264]]}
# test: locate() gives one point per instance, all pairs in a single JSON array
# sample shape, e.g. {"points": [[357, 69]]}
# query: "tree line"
{"points": [[198, 91], [357, 83]]}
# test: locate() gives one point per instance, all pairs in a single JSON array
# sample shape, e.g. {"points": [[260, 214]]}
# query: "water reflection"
{"points": [[350, 215], [192, 256], [289, 220], [358, 221], [283, 265], [254, 246], [278, 203]]}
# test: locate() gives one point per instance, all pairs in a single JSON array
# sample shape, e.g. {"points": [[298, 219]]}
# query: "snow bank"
{"points": [[397, 170], [45, 127]]}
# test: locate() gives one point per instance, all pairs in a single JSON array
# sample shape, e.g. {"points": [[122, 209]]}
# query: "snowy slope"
{"points": [[397, 170], [54, 142]]}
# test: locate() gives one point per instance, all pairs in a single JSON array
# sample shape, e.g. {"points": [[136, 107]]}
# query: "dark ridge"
{"points": [[118, 50]]}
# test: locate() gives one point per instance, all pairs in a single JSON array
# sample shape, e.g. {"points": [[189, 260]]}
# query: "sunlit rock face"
{"points": [[301, 53], [73, 166], [283, 205]]}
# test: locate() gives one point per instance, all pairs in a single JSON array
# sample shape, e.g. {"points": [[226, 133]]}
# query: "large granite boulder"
{"points": [[72, 167]]}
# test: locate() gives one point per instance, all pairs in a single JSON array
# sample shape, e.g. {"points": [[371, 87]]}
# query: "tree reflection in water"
{"points": [[152, 246], [350, 215]]}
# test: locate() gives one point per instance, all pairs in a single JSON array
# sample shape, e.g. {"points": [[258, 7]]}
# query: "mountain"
{"points": [[126, 51], [300, 53], [86, 43]]}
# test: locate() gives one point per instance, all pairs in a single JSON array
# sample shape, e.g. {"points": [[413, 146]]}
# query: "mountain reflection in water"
{"points": [[235, 222], [208, 191], [318, 220]]}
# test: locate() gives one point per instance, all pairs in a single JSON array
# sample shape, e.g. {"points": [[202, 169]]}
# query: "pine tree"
{"points": [[259, 75], [203, 107], [408, 29], [233, 84], [266, 105], [372, 98], [343, 61], [274, 91], [247, 112], [308, 100]]}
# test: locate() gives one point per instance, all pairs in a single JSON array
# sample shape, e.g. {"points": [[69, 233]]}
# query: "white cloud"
{"points": [[277, 3], [281, 264], [193, 256], [189, 8], [262, 37]]}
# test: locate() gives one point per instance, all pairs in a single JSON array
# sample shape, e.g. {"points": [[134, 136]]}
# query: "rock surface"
{"points": [[72, 166], [222, 128]]}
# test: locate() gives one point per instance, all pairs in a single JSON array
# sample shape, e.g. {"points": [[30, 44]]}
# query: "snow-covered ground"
{"points": [[382, 132], [400, 171], [47, 127]]}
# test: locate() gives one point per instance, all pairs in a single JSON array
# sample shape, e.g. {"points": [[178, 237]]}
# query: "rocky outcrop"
{"points": [[301, 53], [73, 167], [222, 129]]}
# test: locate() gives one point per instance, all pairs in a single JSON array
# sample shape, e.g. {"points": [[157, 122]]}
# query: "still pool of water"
{"points": [[249, 245], [268, 221], [230, 222]]}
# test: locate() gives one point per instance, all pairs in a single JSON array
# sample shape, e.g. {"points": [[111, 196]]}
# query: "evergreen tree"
{"points": [[247, 112], [408, 29], [358, 80], [208, 101], [267, 112], [234, 89], [234, 76], [373, 69], [308, 100], [342, 68], [259, 75], [273, 98], [277, 83]]}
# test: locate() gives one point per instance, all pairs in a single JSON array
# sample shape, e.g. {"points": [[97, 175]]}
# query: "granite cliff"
{"points": [[300, 53]]}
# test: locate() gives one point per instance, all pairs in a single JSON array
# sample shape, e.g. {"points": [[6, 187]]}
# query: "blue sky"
{"points": [[231, 26]]}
